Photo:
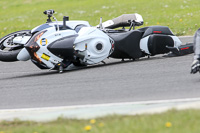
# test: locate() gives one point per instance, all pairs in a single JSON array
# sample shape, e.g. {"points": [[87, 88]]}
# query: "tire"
{"points": [[10, 54]]}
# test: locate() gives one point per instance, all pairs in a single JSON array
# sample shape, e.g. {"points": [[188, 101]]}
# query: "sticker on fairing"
{"points": [[43, 42], [45, 57]]}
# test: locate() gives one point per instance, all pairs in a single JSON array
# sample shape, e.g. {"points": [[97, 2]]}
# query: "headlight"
{"points": [[32, 46]]}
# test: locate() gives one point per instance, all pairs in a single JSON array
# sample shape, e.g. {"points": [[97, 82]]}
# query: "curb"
{"points": [[98, 110]]}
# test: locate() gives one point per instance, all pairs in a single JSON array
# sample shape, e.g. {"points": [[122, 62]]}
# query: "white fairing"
{"points": [[138, 18], [107, 23], [51, 35], [23, 55], [87, 41], [144, 45], [73, 24], [177, 41], [21, 39]]}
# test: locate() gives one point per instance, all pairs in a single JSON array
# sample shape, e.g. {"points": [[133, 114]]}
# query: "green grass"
{"points": [[186, 121], [182, 16]]}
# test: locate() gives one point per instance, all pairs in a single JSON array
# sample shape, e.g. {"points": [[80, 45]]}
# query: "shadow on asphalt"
{"points": [[117, 62]]}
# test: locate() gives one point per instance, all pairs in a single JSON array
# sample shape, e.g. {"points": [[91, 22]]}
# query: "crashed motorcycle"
{"points": [[60, 44]]}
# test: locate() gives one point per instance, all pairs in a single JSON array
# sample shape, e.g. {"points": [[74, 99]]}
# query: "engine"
{"points": [[92, 45]]}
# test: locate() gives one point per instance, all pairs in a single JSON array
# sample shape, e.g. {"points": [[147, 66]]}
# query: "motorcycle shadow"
{"points": [[102, 64]]}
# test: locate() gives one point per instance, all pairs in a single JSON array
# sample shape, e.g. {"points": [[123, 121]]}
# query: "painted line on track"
{"points": [[98, 110], [108, 104]]}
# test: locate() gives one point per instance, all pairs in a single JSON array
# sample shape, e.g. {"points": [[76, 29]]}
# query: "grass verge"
{"points": [[182, 16], [173, 121]]}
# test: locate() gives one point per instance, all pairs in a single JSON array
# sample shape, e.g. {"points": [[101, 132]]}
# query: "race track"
{"points": [[23, 85]]}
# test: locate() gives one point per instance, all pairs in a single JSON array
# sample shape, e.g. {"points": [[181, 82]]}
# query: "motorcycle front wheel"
{"points": [[9, 50]]}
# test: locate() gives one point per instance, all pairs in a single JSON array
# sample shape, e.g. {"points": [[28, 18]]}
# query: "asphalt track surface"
{"points": [[23, 85]]}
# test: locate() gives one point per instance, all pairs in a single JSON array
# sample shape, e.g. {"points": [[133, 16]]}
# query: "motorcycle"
{"points": [[58, 45]]}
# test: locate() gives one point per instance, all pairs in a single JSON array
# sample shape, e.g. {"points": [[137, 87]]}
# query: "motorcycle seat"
{"points": [[126, 44]]}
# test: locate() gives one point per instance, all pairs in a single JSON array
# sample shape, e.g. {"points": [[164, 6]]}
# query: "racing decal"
{"points": [[43, 42], [86, 46], [45, 57]]}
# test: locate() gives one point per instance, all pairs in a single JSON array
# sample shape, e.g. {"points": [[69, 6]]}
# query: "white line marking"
{"points": [[103, 105]]}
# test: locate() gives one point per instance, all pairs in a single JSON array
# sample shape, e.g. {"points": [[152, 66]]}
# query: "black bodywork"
{"points": [[63, 47], [127, 43], [157, 44]]}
